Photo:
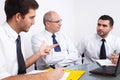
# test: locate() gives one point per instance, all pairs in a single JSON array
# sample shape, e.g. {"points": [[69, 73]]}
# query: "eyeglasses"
{"points": [[56, 21]]}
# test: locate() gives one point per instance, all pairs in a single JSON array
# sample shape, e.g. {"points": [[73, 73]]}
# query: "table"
{"points": [[89, 76]]}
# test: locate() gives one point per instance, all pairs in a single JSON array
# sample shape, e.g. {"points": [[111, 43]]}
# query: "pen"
{"points": [[52, 66]]}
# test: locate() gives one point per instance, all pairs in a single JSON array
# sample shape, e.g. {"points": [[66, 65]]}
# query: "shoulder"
{"points": [[114, 37], [90, 37], [38, 34], [2, 31]]}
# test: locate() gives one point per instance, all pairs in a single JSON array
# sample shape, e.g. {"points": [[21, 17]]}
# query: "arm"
{"points": [[81, 50], [68, 54], [68, 50], [115, 55], [43, 51], [51, 75], [71, 53], [6, 75], [52, 57]]}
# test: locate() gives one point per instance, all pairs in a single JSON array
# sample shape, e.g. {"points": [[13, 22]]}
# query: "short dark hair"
{"points": [[19, 6], [107, 17]]}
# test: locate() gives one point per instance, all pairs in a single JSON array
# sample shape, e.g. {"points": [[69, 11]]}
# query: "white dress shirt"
{"points": [[8, 55], [91, 45], [66, 57]]}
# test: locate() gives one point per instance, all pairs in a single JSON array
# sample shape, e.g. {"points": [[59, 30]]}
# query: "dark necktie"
{"points": [[102, 50], [21, 63], [57, 48]]}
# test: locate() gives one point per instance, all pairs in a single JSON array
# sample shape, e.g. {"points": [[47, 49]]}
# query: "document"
{"points": [[65, 76], [68, 74], [35, 71], [105, 62]]}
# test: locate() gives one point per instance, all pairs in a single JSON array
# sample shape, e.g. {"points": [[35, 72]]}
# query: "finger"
{"points": [[113, 54], [111, 57], [47, 50], [114, 61], [53, 46]]}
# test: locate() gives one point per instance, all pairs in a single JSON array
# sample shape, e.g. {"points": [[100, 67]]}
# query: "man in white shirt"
{"points": [[68, 54], [90, 45], [20, 17]]}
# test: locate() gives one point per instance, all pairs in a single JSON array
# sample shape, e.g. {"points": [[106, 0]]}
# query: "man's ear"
{"points": [[18, 17], [46, 23]]}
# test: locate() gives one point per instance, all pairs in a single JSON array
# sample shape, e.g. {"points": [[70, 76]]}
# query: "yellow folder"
{"points": [[74, 74]]}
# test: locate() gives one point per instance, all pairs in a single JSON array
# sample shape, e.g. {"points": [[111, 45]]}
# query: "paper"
{"points": [[66, 74], [105, 62], [36, 71]]}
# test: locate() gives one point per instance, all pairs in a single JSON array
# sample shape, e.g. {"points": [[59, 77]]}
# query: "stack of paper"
{"points": [[105, 62]]}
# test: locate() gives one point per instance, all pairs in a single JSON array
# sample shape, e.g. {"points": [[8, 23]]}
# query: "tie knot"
{"points": [[53, 36], [103, 40], [18, 38]]}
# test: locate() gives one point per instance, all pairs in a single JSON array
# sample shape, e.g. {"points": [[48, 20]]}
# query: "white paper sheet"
{"points": [[66, 74], [105, 62]]}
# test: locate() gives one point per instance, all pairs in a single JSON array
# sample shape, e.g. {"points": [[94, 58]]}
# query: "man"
{"points": [[91, 45], [66, 55], [20, 16]]}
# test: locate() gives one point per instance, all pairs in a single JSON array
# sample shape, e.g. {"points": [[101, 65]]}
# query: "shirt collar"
{"points": [[100, 38], [50, 34], [10, 32]]}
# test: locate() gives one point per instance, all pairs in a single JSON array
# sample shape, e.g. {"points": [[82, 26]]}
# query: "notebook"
{"points": [[105, 62], [108, 70]]}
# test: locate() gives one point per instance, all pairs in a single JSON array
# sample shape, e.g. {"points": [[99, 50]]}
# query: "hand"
{"points": [[56, 74], [45, 49], [114, 58]]}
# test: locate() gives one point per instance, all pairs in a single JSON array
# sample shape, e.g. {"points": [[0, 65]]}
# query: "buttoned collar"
{"points": [[100, 38], [49, 33]]}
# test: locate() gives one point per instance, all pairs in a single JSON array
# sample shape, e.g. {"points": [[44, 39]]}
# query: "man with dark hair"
{"points": [[101, 45], [20, 16]]}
